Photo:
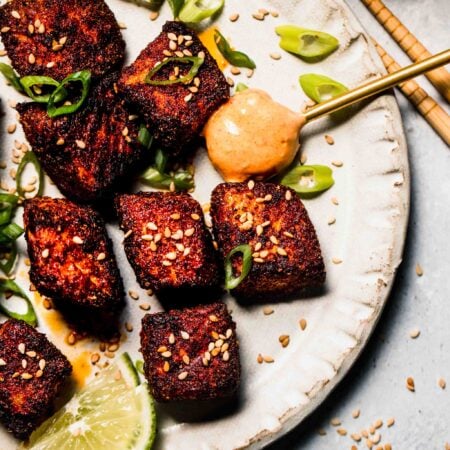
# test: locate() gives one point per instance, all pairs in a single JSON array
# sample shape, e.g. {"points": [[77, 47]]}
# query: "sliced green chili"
{"points": [[175, 6], [241, 87], [83, 77], [194, 11], [308, 44], [234, 57], [194, 60], [31, 81], [232, 282], [321, 88], [144, 137], [182, 180], [8, 203], [11, 76], [10, 233], [29, 158], [10, 287], [309, 181], [161, 159]]}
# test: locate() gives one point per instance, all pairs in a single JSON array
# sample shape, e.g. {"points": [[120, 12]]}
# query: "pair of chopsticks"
{"points": [[433, 113]]}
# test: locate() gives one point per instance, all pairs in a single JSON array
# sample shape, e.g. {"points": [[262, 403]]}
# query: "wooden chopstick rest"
{"points": [[432, 112], [440, 78]]}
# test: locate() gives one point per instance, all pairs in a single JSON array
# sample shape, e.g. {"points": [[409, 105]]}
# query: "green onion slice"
{"points": [[144, 137], [8, 264], [309, 181], [83, 77], [8, 203], [11, 77], [182, 180], [321, 88], [241, 87], [233, 282], [10, 233], [30, 81], [9, 286], [29, 158], [194, 11], [161, 159], [234, 57], [175, 6], [194, 60], [308, 44]]}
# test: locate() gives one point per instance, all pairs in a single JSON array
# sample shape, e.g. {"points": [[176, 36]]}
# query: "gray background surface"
{"points": [[376, 384]]}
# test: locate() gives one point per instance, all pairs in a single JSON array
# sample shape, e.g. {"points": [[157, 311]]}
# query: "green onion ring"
{"points": [[29, 158], [9, 286], [230, 281], [83, 77], [36, 80], [196, 64], [234, 57]]}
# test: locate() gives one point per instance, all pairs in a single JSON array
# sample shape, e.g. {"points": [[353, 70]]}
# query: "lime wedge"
{"points": [[113, 412]]}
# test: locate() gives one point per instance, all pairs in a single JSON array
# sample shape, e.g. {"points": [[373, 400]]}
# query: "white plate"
{"points": [[372, 188]]}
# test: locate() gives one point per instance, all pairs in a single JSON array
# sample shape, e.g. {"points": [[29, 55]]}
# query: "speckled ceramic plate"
{"points": [[369, 203]]}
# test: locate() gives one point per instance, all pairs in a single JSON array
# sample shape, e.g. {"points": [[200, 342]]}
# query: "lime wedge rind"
{"points": [[112, 412]]}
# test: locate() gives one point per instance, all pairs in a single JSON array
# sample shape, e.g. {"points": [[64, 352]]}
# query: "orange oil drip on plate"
{"points": [[82, 368], [207, 38]]}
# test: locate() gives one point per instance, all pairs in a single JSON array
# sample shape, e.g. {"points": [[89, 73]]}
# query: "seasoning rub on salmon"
{"points": [[72, 260], [175, 114], [56, 38], [273, 221], [89, 152]]}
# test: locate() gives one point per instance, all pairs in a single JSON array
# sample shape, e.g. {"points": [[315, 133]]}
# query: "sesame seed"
{"points": [[234, 17], [173, 45], [342, 431], [356, 437], [331, 221], [321, 432], [258, 16], [31, 58], [172, 36], [281, 251], [77, 240], [166, 354], [171, 256], [335, 422], [11, 128], [45, 253], [186, 251], [42, 364], [218, 343], [267, 310], [415, 333], [419, 270], [26, 376], [268, 359], [260, 359], [235, 70], [337, 163], [274, 240], [5, 29], [24, 363], [128, 327], [390, 422], [38, 373], [95, 358], [187, 52], [182, 376], [258, 260], [329, 139], [71, 339], [41, 29], [60, 141], [186, 359], [226, 356], [288, 195], [335, 201], [189, 232], [201, 55], [21, 348], [80, 144], [356, 413], [303, 324], [250, 73], [410, 385], [275, 56], [336, 260], [184, 335], [376, 439], [251, 184], [133, 294], [162, 349], [378, 423], [15, 14], [388, 446], [145, 306], [274, 13], [154, 15], [442, 383], [259, 230], [101, 256], [188, 98], [2, 362]]}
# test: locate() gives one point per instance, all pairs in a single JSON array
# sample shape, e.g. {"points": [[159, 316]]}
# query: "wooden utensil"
{"points": [[440, 78], [432, 112], [376, 86]]}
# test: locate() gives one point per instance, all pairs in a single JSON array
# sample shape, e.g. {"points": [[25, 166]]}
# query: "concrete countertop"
{"points": [[376, 385]]}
